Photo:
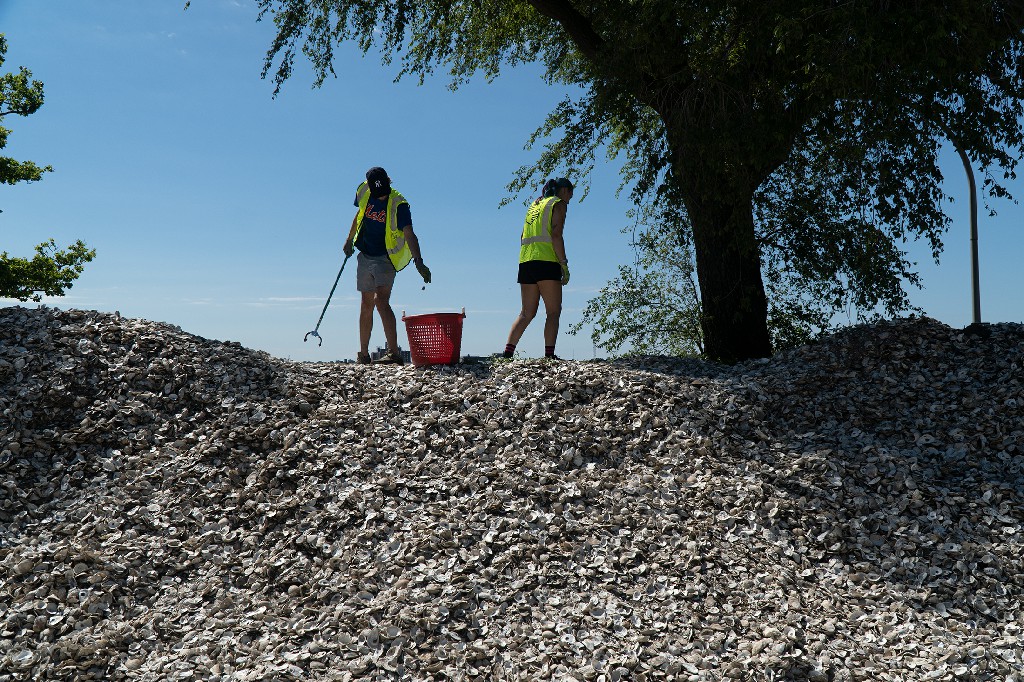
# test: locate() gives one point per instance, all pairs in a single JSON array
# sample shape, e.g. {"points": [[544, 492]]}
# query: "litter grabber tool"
{"points": [[336, 280]]}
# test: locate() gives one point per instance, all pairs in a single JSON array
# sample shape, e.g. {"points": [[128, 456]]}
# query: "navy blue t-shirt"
{"points": [[371, 235]]}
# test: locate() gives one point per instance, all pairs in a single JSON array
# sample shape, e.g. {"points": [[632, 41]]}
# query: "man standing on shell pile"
{"points": [[382, 231]]}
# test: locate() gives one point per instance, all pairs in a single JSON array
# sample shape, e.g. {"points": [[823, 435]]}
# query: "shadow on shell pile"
{"points": [[175, 508]]}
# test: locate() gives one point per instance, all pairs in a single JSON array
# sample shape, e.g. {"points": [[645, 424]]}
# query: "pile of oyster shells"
{"points": [[176, 508]]}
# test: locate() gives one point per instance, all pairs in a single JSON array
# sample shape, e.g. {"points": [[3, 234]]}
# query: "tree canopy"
{"points": [[22, 96], [51, 271], [799, 139]]}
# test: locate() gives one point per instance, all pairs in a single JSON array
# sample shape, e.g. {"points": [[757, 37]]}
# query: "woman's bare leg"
{"points": [[531, 301], [551, 292]]}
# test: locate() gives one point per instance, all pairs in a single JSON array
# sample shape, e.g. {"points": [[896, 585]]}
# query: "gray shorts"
{"points": [[373, 272]]}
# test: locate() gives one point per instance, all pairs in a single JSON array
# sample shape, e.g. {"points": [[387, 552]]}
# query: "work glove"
{"points": [[423, 270], [565, 273], [349, 249]]}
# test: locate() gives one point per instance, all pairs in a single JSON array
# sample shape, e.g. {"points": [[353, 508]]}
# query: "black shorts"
{"points": [[533, 271]]}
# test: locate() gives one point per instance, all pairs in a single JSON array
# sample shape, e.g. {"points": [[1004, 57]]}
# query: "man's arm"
{"points": [[417, 257], [413, 242], [349, 246]]}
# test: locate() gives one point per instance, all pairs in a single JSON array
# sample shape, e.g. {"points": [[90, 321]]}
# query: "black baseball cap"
{"points": [[378, 181]]}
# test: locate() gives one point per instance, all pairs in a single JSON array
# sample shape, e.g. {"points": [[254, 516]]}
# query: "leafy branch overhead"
{"points": [[21, 96], [800, 138], [51, 271]]}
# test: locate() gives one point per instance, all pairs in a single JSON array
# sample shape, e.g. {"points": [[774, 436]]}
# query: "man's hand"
{"points": [[423, 270], [349, 249], [565, 273]]}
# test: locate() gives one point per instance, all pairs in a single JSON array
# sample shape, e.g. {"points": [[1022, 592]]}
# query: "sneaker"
{"points": [[393, 358], [362, 358], [552, 357]]}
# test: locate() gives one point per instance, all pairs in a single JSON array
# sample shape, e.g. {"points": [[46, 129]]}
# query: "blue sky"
{"points": [[215, 207]]}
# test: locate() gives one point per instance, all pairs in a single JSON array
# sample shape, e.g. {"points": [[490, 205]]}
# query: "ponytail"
{"points": [[552, 186], [549, 189]]}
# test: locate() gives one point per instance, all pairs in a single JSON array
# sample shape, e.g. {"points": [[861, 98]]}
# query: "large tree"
{"points": [[653, 305], [799, 136], [50, 271]]}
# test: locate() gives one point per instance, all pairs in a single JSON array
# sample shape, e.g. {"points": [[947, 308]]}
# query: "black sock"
{"points": [[510, 348], [549, 351]]}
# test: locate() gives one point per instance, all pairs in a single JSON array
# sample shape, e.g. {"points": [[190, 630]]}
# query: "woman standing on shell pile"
{"points": [[543, 266]]}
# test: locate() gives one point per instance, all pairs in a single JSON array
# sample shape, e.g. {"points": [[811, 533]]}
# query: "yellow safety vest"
{"points": [[394, 237], [535, 244]]}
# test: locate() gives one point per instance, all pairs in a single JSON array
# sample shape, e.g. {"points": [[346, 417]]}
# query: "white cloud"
{"points": [[289, 299]]}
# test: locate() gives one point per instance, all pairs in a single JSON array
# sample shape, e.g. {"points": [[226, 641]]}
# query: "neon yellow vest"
{"points": [[535, 244], [394, 237]]}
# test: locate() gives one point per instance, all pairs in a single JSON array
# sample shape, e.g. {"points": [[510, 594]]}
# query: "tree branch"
{"points": [[579, 28], [19, 112]]}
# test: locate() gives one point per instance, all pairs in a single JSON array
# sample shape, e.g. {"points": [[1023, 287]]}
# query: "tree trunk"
{"points": [[720, 154], [719, 158], [735, 309]]}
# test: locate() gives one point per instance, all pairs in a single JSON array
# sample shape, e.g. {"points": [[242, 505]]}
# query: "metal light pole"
{"points": [[975, 286], [976, 326]]}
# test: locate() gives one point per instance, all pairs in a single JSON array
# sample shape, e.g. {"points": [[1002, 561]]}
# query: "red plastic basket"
{"points": [[434, 338]]}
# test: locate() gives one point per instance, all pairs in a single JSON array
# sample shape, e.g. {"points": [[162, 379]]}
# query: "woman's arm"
{"points": [[557, 227]]}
